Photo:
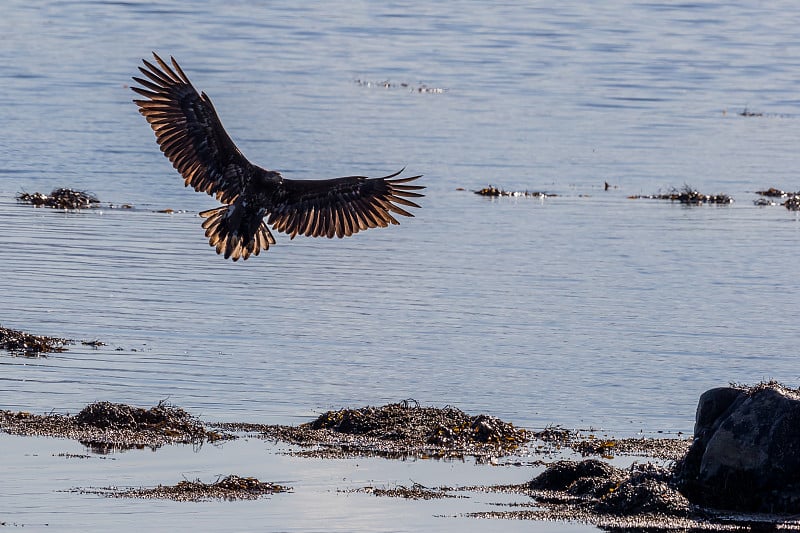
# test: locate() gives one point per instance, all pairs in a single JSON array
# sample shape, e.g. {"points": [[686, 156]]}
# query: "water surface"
{"points": [[587, 309]]}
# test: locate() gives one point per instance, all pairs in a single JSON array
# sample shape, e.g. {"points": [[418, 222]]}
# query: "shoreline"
{"points": [[539, 449]]}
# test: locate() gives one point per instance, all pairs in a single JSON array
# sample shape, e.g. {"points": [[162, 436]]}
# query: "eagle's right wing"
{"points": [[190, 133]]}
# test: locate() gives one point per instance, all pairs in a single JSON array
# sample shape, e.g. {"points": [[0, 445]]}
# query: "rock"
{"points": [[646, 491], [588, 477], [608, 490], [746, 452]]}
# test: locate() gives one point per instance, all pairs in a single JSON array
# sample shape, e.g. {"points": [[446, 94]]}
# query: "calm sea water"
{"points": [[587, 309]]}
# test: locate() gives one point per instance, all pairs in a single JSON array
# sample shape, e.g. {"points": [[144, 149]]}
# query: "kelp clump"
{"points": [[446, 427], [162, 417], [229, 488], [21, 343], [689, 196], [494, 191], [105, 427], [62, 198], [404, 429], [414, 492], [773, 192], [792, 203]]}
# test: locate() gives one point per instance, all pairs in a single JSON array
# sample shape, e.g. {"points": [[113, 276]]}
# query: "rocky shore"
{"points": [[743, 435]]}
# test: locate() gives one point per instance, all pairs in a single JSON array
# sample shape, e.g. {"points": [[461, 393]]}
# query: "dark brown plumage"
{"points": [[191, 135]]}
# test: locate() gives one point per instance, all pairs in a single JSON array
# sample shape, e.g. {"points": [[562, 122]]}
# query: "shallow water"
{"points": [[587, 309]]}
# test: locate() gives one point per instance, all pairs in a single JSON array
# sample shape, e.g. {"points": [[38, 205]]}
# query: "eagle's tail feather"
{"points": [[232, 236]]}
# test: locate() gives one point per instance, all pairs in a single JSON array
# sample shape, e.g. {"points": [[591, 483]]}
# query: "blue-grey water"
{"points": [[587, 309]]}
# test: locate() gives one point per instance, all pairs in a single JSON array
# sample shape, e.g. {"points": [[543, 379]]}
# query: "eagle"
{"points": [[192, 137]]}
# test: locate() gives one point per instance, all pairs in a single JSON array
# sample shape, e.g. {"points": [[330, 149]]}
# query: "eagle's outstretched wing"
{"points": [[341, 206], [189, 131]]}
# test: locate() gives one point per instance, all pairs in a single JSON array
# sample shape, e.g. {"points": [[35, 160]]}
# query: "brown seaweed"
{"points": [[414, 492], [494, 191], [792, 203], [772, 192], [62, 198], [29, 345], [105, 427], [403, 429], [687, 195], [229, 488]]}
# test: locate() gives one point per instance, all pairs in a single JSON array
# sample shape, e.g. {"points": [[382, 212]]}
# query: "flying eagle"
{"points": [[191, 135]]}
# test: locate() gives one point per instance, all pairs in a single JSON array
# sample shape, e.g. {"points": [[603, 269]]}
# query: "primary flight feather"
{"points": [[191, 135]]}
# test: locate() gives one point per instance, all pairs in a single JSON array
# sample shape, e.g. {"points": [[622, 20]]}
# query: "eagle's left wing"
{"points": [[341, 206]]}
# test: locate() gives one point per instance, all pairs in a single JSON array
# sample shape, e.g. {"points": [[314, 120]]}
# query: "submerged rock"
{"points": [[746, 452]]}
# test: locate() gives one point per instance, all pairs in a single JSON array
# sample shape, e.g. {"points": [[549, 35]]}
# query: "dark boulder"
{"points": [[746, 452]]}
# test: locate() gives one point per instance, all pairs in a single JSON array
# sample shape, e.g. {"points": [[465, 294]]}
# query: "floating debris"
{"points": [[60, 199], [763, 202], [105, 427], [747, 113], [494, 191], [792, 198], [386, 84], [28, 345], [792, 203], [593, 446], [414, 492], [402, 430], [607, 447], [94, 344], [554, 438], [774, 193], [229, 488], [687, 195]]}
